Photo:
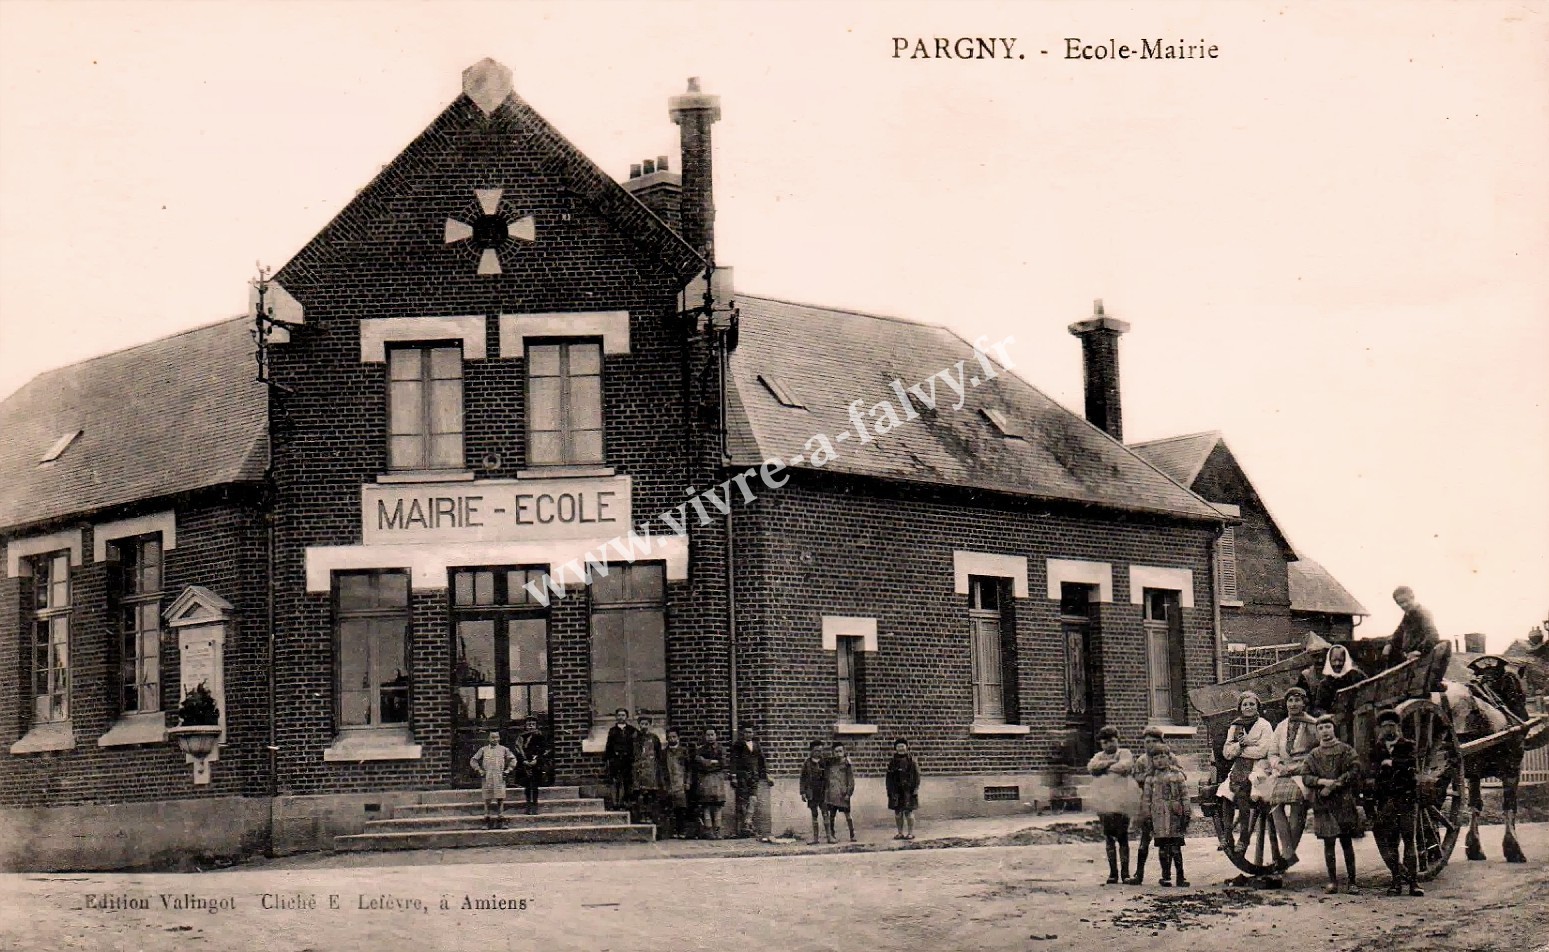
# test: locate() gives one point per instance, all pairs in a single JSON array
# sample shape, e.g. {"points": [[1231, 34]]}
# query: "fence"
{"points": [[1240, 659]]}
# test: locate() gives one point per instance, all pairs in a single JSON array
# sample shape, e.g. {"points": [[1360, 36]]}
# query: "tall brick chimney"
{"points": [[695, 112], [1100, 353]]}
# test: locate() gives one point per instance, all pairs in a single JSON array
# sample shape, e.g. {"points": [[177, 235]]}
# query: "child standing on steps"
{"points": [[1164, 807], [814, 784], [1115, 798], [839, 786], [492, 762], [1332, 771]]}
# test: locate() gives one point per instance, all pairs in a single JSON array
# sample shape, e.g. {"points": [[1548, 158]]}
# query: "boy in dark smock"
{"points": [[1393, 787], [532, 752], [814, 785]]}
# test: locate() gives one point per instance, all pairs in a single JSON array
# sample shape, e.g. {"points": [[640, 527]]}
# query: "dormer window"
{"points": [[1002, 425], [779, 391], [62, 444]]}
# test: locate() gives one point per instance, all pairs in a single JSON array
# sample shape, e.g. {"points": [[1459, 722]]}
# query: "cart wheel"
{"points": [[1260, 856], [1440, 786]]}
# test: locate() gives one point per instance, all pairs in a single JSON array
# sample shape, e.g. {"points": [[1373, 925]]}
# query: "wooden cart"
{"points": [[1438, 756]]}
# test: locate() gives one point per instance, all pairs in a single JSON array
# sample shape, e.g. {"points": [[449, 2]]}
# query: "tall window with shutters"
{"points": [[51, 638], [1163, 622], [850, 656], [564, 403], [425, 407], [992, 650], [1226, 566]]}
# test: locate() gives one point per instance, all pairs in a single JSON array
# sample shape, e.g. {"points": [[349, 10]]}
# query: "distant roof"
{"points": [[181, 413], [1181, 457], [1313, 589], [828, 358]]}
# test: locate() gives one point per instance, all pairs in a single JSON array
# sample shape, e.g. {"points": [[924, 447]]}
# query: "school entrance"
{"points": [[500, 647]]}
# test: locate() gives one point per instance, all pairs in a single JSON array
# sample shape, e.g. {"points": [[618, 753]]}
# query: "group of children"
{"points": [[828, 783], [1297, 767]]}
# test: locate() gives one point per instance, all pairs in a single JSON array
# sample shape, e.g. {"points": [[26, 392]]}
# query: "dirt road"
{"points": [[1046, 898]]}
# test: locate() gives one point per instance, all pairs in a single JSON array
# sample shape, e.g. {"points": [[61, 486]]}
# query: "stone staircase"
{"points": [[447, 819]]}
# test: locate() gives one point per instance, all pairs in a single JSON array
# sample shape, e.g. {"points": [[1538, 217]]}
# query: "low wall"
{"points": [[147, 835], [306, 823]]}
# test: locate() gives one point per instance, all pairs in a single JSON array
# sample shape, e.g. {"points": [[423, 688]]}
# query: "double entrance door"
{"points": [[500, 651]]}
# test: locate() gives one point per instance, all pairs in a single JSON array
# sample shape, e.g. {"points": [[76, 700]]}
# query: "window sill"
{"points": [[148, 728], [1230, 603], [564, 472], [427, 476], [1174, 730], [990, 730], [855, 728], [56, 736], [355, 746], [596, 742]]}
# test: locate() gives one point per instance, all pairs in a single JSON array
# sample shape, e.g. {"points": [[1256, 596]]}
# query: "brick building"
{"points": [[493, 365], [1271, 595]]}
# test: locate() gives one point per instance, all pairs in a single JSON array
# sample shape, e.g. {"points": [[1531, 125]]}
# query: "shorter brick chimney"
{"points": [[657, 189], [1100, 354]]}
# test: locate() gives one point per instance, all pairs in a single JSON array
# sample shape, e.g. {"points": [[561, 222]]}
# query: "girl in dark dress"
{"points": [[1333, 773], [903, 789]]}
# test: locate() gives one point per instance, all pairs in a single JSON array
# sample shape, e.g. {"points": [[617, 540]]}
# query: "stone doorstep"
{"points": [[475, 807], [513, 793], [455, 839], [514, 820]]}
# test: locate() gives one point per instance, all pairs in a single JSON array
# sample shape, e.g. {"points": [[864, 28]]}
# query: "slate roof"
{"points": [[173, 415], [1181, 457], [1313, 589], [826, 358]]}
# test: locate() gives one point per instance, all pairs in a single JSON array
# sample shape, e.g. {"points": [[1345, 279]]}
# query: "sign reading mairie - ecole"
{"points": [[496, 510]]}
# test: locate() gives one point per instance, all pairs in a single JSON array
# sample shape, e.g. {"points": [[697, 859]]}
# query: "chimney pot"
{"points": [[649, 167], [661, 163], [1097, 308], [634, 170], [693, 84]]}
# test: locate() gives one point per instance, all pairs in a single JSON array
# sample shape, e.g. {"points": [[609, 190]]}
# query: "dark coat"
{"points": [[814, 780], [1333, 811], [903, 783], [1393, 773], [710, 775], [748, 765], [1323, 695], [1416, 631], [532, 752], [619, 755]]}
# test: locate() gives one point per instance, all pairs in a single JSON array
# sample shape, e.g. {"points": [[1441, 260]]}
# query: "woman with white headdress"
{"points": [[1339, 672]]}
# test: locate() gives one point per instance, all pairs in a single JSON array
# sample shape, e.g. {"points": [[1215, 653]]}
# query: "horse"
{"points": [[1475, 714]]}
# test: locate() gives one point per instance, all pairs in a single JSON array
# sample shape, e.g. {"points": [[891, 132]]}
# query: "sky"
{"points": [[1329, 240]]}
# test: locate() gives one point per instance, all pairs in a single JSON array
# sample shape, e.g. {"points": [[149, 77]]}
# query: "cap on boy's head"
{"points": [[1109, 733], [1296, 692], [623, 710], [901, 740], [816, 745], [1152, 732], [1327, 719], [1388, 715], [644, 718], [838, 745]]}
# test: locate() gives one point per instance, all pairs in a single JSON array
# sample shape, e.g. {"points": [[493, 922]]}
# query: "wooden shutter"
{"points": [[1226, 562], [1175, 662]]}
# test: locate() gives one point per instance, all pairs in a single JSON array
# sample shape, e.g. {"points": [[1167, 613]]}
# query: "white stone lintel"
{"points": [[377, 332], [104, 532], [356, 746], [989, 564], [850, 626], [992, 730], [1085, 573], [611, 326], [861, 729], [428, 563], [1142, 577], [17, 551]]}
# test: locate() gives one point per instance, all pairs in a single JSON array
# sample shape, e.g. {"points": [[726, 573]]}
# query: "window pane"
{"points": [[586, 446], [484, 588], [585, 359], [40, 708], [406, 452], [446, 451], [393, 589], [544, 448], [543, 360], [586, 403], [613, 587], [529, 646], [651, 698], [387, 644], [607, 697], [462, 588], [355, 592], [609, 647], [543, 404], [446, 406], [475, 652], [647, 644], [446, 363], [149, 612], [648, 583], [406, 413], [403, 364]]}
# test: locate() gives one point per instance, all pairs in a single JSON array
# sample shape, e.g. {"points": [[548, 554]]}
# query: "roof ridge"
{"points": [[845, 310], [128, 347], [1181, 436]]}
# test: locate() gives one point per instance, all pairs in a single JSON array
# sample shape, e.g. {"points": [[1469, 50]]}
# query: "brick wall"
{"points": [[1264, 618], [221, 546], [850, 548]]}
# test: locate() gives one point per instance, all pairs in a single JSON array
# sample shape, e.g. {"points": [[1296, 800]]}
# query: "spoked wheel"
{"points": [[1260, 855], [1440, 790]]}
